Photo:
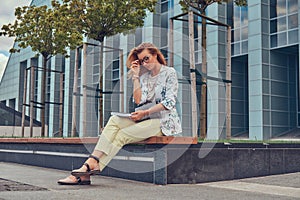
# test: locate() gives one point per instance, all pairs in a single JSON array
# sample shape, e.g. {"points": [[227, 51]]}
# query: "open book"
{"points": [[120, 114]]}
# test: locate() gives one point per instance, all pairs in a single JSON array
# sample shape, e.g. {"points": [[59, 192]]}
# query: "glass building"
{"points": [[264, 71]]}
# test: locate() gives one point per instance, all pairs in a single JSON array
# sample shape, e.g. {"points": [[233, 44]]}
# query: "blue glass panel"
{"points": [[164, 7], [237, 17], [293, 21], [292, 6], [273, 40], [282, 39], [293, 36], [244, 15], [281, 7], [245, 47], [281, 24], [237, 35], [273, 4], [273, 26], [236, 49], [245, 33]]}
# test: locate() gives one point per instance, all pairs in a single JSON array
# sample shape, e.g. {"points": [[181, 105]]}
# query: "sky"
{"points": [[7, 10]]}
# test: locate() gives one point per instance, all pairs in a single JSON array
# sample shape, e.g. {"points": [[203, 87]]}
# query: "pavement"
{"points": [[36, 183]]}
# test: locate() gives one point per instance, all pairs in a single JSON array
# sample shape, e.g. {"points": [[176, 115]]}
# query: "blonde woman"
{"points": [[155, 89]]}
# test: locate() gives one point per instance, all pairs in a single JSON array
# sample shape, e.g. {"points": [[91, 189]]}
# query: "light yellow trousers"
{"points": [[120, 131]]}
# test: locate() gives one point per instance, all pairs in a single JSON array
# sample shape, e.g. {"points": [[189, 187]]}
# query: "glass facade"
{"points": [[240, 31], [283, 22]]}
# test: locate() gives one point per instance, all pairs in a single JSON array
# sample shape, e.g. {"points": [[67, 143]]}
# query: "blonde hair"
{"points": [[133, 55]]}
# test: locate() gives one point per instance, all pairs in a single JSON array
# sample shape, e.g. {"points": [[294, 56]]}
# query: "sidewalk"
{"points": [[42, 184]]}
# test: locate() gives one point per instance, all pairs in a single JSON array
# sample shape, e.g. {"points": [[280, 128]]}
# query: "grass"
{"points": [[277, 141]]}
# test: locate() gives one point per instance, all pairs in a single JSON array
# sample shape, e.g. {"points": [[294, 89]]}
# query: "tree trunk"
{"points": [[24, 102], [84, 92], [43, 95], [193, 75], [100, 107], [61, 96], [228, 85], [203, 108], [32, 80], [74, 103]]}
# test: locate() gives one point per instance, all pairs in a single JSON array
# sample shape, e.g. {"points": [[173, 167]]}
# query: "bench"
{"points": [[160, 164], [92, 140], [69, 153]]}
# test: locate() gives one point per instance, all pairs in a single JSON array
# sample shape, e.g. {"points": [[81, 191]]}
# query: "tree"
{"points": [[201, 6], [103, 18], [48, 31]]}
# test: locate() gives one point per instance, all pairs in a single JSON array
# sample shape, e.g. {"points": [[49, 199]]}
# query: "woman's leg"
{"points": [[126, 135], [115, 135], [107, 136]]}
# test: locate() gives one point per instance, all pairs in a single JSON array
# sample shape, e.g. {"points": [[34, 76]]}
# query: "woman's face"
{"points": [[147, 59]]}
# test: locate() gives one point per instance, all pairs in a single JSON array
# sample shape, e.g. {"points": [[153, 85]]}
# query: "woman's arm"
{"points": [[137, 92], [139, 114], [171, 89], [135, 70]]}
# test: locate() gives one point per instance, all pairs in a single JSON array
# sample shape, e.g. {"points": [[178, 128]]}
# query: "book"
{"points": [[120, 114]]}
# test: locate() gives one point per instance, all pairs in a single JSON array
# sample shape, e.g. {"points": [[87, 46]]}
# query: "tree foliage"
{"points": [[201, 5], [48, 31], [103, 18]]}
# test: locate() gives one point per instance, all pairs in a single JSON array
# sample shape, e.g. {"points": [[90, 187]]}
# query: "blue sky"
{"points": [[7, 10]]}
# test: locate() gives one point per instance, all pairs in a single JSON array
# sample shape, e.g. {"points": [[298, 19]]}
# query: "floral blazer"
{"points": [[165, 93]]}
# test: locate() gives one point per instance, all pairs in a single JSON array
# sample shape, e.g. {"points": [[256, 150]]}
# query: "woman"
{"points": [[155, 86]]}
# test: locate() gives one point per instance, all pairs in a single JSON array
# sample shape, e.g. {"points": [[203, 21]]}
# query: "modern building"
{"points": [[264, 71]]}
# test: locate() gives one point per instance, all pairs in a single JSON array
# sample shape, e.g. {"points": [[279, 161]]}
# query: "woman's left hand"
{"points": [[138, 115]]}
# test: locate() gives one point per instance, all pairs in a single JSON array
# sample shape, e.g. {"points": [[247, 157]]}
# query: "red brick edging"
{"points": [[93, 140]]}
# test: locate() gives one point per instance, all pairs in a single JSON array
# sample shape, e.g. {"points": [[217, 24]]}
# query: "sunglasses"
{"points": [[145, 59]]}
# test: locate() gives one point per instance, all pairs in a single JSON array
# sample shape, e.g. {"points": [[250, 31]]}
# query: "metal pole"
{"points": [[193, 75], [228, 85], [122, 89], [75, 85], [24, 102], [171, 43]]}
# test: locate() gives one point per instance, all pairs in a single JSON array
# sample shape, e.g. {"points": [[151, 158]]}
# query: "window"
{"points": [[283, 22], [292, 6], [240, 30], [115, 70]]}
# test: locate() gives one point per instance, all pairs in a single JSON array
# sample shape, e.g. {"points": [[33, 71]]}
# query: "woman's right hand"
{"points": [[135, 67], [139, 114]]}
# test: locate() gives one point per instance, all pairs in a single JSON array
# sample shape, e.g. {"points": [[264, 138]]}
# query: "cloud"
{"points": [[7, 15], [3, 61], [7, 10]]}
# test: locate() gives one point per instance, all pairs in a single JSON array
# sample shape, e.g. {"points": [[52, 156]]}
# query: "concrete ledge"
{"points": [[160, 163]]}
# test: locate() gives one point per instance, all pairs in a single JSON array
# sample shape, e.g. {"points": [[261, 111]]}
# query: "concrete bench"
{"points": [[160, 160], [143, 161]]}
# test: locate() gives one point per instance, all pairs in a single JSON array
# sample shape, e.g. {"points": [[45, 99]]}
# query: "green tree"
{"points": [[48, 31], [201, 6], [103, 18]]}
